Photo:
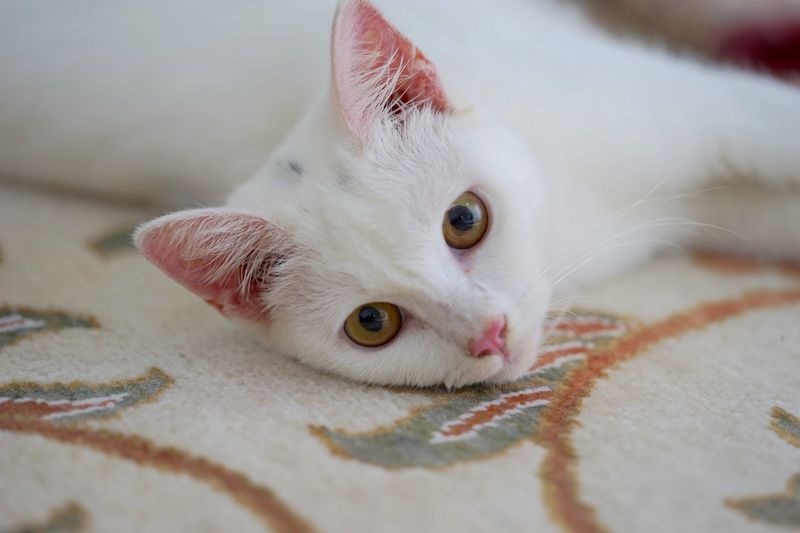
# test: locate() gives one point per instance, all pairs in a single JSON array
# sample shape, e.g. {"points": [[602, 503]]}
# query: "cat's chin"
{"points": [[496, 369], [512, 371]]}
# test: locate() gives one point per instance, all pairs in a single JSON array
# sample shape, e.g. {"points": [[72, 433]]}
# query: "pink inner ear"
{"points": [[220, 256], [366, 45]]}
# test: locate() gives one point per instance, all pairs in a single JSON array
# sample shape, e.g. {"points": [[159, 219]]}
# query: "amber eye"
{"points": [[465, 222], [373, 324]]}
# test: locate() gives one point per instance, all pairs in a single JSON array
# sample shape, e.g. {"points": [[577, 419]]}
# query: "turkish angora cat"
{"points": [[415, 223]]}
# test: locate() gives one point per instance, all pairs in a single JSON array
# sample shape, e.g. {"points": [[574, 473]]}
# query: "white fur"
{"points": [[588, 151]]}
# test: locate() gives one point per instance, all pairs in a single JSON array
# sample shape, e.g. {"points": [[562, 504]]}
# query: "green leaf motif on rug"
{"points": [[17, 323], [783, 508], [70, 402], [114, 243], [67, 519]]}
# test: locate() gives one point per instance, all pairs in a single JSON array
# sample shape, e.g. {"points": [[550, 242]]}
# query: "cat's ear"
{"points": [[226, 257], [377, 70]]}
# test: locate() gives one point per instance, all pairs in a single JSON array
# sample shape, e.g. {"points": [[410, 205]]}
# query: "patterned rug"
{"points": [[668, 401]]}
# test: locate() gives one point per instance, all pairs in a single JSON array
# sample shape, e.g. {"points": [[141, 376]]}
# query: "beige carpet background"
{"points": [[126, 404], [668, 402]]}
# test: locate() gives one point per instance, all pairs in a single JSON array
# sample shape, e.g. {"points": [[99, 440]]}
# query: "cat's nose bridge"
{"points": [[446, 301], [456, 310]]}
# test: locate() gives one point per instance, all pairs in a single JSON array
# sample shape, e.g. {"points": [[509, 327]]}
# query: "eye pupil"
{"points": [[465, 222], [374, 324], [371, 318], [461, 217]]}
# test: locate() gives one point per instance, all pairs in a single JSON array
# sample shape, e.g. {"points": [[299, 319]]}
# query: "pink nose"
{"points": [[492, 341]]}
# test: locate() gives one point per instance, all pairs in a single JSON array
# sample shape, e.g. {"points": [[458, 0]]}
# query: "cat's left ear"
{"points": [[377, 71], [228, 258]]}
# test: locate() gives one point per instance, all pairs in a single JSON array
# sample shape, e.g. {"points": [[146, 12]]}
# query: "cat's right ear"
{"points": [[377, 71], [228, 258]]}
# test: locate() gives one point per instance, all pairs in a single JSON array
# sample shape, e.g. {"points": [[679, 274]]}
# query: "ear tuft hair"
{"points": [[228, 258], [378, 73]]}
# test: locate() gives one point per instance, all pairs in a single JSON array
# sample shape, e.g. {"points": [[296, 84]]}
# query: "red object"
{"points": [[770, 46]]}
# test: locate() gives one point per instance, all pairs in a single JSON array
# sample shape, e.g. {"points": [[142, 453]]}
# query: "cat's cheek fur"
{"points": [[511, 260], [418, 356]]}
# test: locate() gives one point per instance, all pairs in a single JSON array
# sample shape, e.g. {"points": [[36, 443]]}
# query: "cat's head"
{"points": [[393, 238]]}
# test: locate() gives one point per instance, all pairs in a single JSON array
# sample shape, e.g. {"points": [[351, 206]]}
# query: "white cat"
{"points": [[416, 222]]}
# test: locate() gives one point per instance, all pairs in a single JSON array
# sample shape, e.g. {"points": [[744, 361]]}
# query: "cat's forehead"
{"points": [[377, 217], [374, 235], [419, 161], [406, 177]]}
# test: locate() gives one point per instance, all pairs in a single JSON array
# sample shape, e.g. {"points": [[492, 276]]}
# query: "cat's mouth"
{"points": [[496, 367], [518, 358]]}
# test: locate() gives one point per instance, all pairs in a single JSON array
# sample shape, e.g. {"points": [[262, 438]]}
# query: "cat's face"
{"points": [[389, 247]]}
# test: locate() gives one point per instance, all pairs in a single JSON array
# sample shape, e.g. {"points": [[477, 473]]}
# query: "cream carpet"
{"points": [[668, 402]]}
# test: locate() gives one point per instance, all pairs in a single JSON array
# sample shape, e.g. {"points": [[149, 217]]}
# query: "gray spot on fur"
{"points": [[343, 179], [295, 167], [290, 169]]}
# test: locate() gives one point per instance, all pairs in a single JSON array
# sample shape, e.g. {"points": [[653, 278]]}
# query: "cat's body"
{"points": [[588, 152]]}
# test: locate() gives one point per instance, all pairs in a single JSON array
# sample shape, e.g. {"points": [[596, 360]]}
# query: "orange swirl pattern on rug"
{"points": [[559, 466], [258, 499], [56, 411]]}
